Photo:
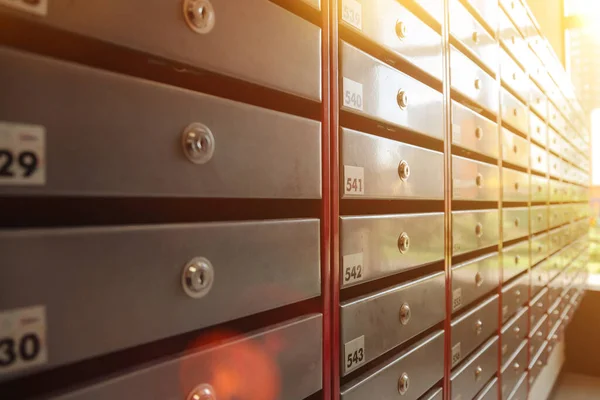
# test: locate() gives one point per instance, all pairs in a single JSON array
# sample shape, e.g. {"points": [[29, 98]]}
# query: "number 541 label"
{"points": [[354, 180], [22, 154], [22, 339]]}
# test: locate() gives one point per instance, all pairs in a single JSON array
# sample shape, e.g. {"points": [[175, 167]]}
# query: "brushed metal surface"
{"points": [[472, 82], [489, 392], [291, 370], [539, 159], [538, 100], [554, 165], [539, 332], [514, 332], [555, 141], [376, 316], [380, 158], [513, 111], [472, 230], [474, 180], [510, 36], [474, 278], [266, 264], [521, 390], [472, 328], [122, 136], [516, 186], [513, 76], [434, 394], [376, 237], [539, 188], [472, 131], [539, 218], [538, 130], [538, 306], [515, 222], [515, 259], [423, 364], [515, 149], [420, 44], [380, 87], [488, 10], [539, 277], [279, 50], [514, 295], [315, 3], [465, 382], [540, 246], [465, 28], [513, 369]]}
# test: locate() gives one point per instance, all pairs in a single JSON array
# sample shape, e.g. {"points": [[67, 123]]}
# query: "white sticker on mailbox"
{"points": [[353, 94], [456, 299], [354, 353], [352, 13], [456, 354], [353, 268], [37, 7], [354, 180], [22, 339], [22, 154]]}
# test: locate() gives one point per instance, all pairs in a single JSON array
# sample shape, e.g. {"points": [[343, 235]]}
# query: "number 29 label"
{"points": [[22, 154]]}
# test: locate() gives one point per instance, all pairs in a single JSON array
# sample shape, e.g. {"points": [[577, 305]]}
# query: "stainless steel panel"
{"points": [[266, 264], [279, 50], [537, 130], [521, 390], [473, 82], [379, 317], [473, 374], [490, 392], [474, 180], [512, 39], [388, 95], [539, 159], [515, 222], [434, 394], [133, 130], [379, 241], [472, 328], [538, 101], [539, 218], [556, 215], [473, 279], [420, 366], [383, 160], [291, 370], [472, 230], [389, 24], [513, 111], [488, 10], [514, 332], [538, 306], [556, 190], [314, 3], [473, 131], [539, 188], [540, 246], [514, 295], [513, 76], [515, 259], [539, 277], [513, 369], [515, 149], [465, 28], [554, 166], [515, 185], [539, 332]]}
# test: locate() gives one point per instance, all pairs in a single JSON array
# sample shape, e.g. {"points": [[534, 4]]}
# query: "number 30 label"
{"points": [[22, 154], [22, 339]]}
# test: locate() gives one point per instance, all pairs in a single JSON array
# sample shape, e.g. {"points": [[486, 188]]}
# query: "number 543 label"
{"points": [[22, 339], [354, 353], [22, 154]]}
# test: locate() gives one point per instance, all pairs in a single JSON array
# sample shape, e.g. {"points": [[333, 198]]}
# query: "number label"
{"points": [[353, 94], [353, 268], [352, 13], [354, 353], [22, 339], [456, 354], [354, 180], [38, 7], [22, 154], [456, 299]]}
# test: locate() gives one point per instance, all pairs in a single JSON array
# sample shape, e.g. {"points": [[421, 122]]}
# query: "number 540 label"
{"points": [[22, 154], [22, 339]]}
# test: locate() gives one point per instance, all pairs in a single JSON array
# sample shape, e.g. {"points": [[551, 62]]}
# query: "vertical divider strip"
{"points": [[447, 196], [335, 196]]}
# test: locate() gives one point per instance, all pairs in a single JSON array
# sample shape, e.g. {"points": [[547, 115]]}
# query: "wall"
{"points": [[549, 14]]}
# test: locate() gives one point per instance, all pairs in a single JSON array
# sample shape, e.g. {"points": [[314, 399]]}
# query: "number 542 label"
{"points": [[22, 154], [22, 339]]}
